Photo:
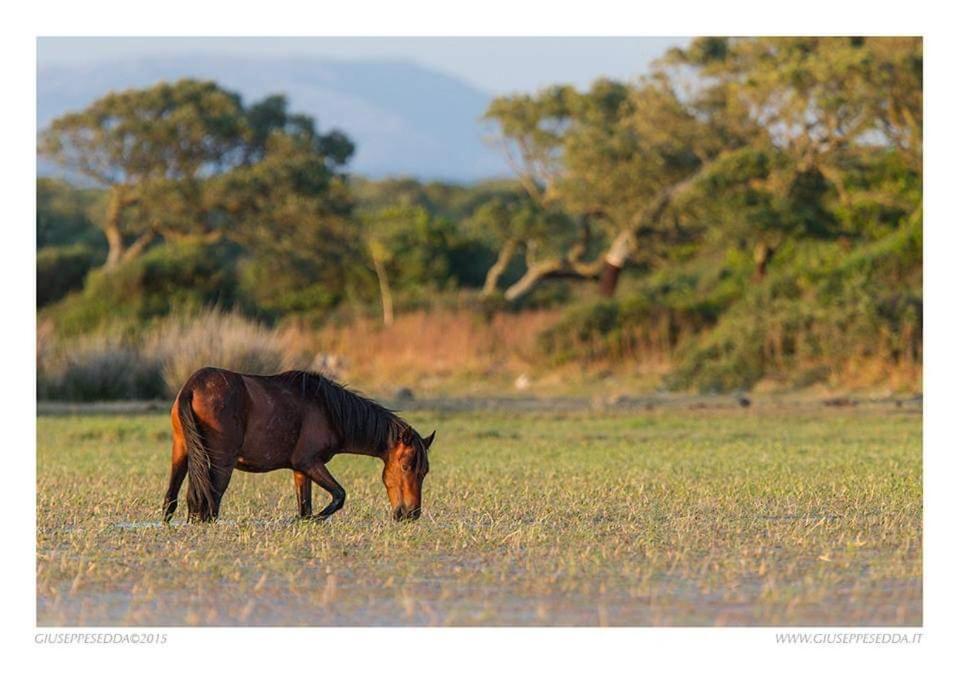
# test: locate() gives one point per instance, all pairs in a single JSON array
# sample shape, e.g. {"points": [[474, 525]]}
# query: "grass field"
{"points": [[662, 516]]}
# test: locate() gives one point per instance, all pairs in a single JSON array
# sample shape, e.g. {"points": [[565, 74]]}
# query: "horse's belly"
{"points": [[265, 455], [256, 466], [269, 443]]}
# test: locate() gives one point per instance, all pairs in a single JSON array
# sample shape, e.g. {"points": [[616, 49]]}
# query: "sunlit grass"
{"points": [[621, 518]]}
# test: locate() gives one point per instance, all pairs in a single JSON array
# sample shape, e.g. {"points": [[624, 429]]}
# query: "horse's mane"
{"points": [[358, 420]]}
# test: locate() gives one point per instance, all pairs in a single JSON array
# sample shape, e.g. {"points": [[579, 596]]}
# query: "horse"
{"points": [[223, 420]]}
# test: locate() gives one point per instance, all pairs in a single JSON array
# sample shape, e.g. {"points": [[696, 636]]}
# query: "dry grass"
{"points": [[112, 364], [102, 366], [439, 352], [182, 344], [430, 350], [442, 350]]}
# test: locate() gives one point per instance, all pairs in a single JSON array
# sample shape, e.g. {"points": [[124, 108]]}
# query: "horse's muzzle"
{"points": [[403, 513]]}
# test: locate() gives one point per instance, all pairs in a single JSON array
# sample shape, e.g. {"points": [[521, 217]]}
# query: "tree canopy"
{"points": [[749, 202], [190, 159], [774, 126]]}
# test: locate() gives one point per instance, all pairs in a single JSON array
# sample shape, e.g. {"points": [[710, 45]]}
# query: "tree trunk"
{"points": [[613, 262], [386, 297], [609, 279], [534, 274], [111, 228], [624, 244], [762, 254], [496, 271], [136, 248], [119, 253]]}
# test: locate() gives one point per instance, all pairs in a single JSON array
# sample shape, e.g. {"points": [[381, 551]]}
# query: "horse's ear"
{"points": [[427, 441], [406, 437]]}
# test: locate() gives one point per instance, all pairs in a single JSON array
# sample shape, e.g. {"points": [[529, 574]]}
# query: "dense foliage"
{"points": [[751, 210]]}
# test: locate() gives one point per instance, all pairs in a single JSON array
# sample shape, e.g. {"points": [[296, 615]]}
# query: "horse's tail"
{"points": [[200, 495]]}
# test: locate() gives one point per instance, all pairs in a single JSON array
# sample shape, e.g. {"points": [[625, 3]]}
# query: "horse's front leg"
{"points": [[321, 476], [304, 493]]}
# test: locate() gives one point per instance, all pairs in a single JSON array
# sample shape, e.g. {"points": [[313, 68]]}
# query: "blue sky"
{"points": [[496, 65]]}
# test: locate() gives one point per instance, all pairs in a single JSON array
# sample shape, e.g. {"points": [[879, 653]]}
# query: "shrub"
{"points": [[182, 344], [104, 366], [816, 318], [667, 309], [115, 365], [804, 325], [61, 270], [274, 288], [168, 278]]}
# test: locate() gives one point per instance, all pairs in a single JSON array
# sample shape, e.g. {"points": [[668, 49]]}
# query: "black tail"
{"points": [[200, 495]]}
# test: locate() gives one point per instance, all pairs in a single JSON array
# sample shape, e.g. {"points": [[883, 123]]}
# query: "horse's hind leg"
{"points": [[178, 471], [220, 479], [304, 494], [221, 469], [222, 435]]}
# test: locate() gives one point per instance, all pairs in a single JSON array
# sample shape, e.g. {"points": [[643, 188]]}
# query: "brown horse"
{"points": [[297, 420]]}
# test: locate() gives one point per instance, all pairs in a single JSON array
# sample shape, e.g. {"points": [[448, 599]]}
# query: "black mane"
{"points": [[358, 420]]}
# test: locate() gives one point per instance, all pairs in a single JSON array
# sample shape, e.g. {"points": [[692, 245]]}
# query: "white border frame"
{"points": [[475, 655]]}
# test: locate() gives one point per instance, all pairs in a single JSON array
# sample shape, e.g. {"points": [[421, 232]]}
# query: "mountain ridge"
{"points": [[406, 119]]}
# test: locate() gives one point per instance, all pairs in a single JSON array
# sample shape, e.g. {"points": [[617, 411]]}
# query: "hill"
{"points": [[406, 119]]}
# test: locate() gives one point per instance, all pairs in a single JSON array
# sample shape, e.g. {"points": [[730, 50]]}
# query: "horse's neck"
{"points": [[364, 446], [369, 442]]}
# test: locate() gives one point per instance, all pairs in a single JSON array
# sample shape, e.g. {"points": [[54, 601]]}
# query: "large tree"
{"points": [[819, 110], [613, 158], [773, 124], [189, 159]]}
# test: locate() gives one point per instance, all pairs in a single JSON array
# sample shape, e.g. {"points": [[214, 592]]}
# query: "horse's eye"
{"points": [[405, 467]]}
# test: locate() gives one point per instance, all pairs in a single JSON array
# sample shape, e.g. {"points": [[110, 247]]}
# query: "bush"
{"points": [[274, 289], [100, 367], [805, 325], [155, 363], [168, 278], [61, 270], [817, 317], [181, 345], [669, 308]]}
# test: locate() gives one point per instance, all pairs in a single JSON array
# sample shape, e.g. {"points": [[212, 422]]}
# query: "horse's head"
{"points": [[404, 469]]}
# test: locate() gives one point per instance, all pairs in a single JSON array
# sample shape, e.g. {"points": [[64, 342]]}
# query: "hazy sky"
{"points": [[495, 65]]}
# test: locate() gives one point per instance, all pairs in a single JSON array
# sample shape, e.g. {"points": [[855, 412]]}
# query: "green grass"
{"points": [[648, 517]]}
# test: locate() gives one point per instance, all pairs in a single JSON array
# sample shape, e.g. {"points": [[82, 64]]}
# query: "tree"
{"points": [[377, 229], [817, 97], [406, 246], [615, 158], [141, 144], [634, 162], [818, 110], [179, 159], [520, 226], [290, 208], [67, 215]]}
